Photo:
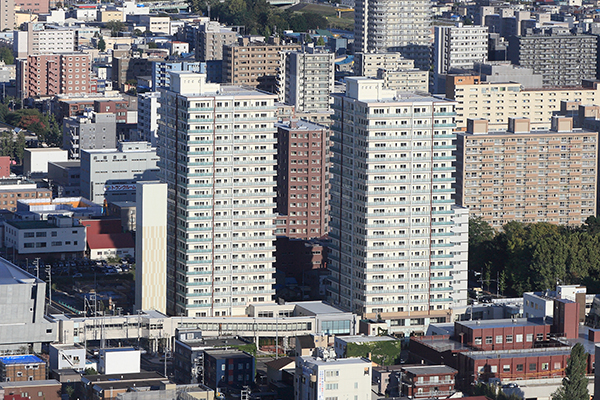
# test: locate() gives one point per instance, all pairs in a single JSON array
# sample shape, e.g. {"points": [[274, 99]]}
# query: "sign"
{"points": [[321, 385], [119, 188]]}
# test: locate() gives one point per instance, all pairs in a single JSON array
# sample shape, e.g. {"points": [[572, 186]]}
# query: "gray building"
{"points": [[210, 39], [22, 303], [564, 59], [64, 176], [504, 71], [88, 132], [111, 174]]}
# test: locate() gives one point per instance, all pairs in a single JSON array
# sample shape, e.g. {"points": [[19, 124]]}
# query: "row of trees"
{"points": [[258, 16], [534, 257]]}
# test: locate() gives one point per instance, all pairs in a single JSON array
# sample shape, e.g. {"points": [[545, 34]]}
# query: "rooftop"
{"points": [[46, 382], [502, 323], [31, 224], [363, 339], [331, 361], [300, 125], [553, 351], [315, 307], [430, 370], [23, 359]]}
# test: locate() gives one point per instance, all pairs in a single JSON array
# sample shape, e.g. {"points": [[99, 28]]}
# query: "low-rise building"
{"points": [[66, 356], [228, 367], [64, 177], [427, 381], [14, 189], [50, 389], [105, 239], [22, 368], [42, 209], [36, 160]]}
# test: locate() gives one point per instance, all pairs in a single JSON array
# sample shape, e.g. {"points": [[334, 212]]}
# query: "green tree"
{"points": [[152, 45], [320, 41], [90, 371], [7, 144], [575, 383], [101, 44], [20, 144], [137, 32], [54, 135], [7, 55], [115, 27]]}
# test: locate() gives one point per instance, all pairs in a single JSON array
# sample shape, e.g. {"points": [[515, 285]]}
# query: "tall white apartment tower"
{"points": [[399, 244], [394, 25], [217, 149]]}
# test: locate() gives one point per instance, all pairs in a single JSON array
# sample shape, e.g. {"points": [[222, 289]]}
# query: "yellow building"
{"points": [[111, 15]]}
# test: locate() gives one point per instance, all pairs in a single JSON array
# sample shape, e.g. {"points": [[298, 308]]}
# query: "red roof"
{"points": [[110, 241], [97, 226]]}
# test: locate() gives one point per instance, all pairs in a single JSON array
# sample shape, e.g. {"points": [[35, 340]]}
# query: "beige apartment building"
{"points": [[497, 102], [525, 175], [254, 64]]}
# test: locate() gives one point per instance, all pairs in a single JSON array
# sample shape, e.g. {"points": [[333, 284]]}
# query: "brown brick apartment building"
{"points": [[22, 368], [35, 390], [527, 175], [12, 190], [254, 63]]}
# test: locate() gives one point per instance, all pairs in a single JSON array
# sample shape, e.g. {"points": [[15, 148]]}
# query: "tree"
{"points": [[574, 384], [54, 135], [90, 371], [20, 144], [152, 45], [137, 32], [101, 44], [7, 55], [115, 27], [320, 41]]}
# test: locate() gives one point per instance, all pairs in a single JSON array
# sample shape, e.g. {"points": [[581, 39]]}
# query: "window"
{"points": [[545, 366], [519, 367], [519, 338], [532, 366], [478, 340], [506, 368], [488, 340], [498, 339], [509, 338], [529, 337]]}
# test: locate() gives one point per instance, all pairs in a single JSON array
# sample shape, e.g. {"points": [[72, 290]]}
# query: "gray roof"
{"points": [[365, 339], [45, 382], [430, 370], [10, 274], [317, 307], [502, 323]]}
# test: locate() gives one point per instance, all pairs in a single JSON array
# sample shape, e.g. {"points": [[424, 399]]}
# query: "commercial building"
{"points": [[328, 377], [307, 77], [22, 305], [64, 178], [111, 174], [527, 176], [397, 25], [42, 209], [89, 131], [148, 117], [228, 367], [58, 237], [564, 59], [27, 367], [457, 47], [151, 247], [496, 101], [302, 179], [221, 237], [14, 189], [254, 64], [52, 74], [399, 244], [36, 160]]}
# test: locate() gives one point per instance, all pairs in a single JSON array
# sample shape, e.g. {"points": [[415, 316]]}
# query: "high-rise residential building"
{"points": [[405, 80], [399, 243], [457, 47], [217, 155], [394, 25], [34, 40], [254, 63], [533, 176], [7, 15], [89, 131], [306, 79], [302, 179], [147, 125], [161, 70], [211, 36], [497, 101], [151, 247], [52, 74], [110, 175], [367, 64], [563, 58]]}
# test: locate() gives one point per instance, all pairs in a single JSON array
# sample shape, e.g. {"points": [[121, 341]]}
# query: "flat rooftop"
{"points": [[430, 370], [226, 353], [332, 361], [31, 224], [22, 359], [502, 323], [365, 339], [45, 382], [316, 307], [442, 344]]}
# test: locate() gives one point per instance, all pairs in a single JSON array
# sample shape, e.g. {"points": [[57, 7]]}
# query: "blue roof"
{"points": [[26, 359], [347, 60]]}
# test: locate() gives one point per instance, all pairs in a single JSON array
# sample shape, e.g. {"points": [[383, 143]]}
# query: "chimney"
{"points": [[477, 126], [519, 125], [561, 124]]}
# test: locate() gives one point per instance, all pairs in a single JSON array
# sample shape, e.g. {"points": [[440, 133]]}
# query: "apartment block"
{"points": [[399, 243], [21, 368], [307, 78], [89, 131], [217, 155], [36, 40], [254, 64], [302, 179], [527, 176], [210, 39], [161, 70], [110, 175], [368, 64], [7, 15], [457, 47], [126, 68], [147, 125], [52, 74], [14, 189], [563, 58], [397, 25], [497, 101], [409, 80]]}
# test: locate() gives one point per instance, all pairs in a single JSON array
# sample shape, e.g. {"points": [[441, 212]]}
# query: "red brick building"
{"points": [[428, 381], [302, 176], [504, 334], [20, 368], [35, 6], [52, 74], [4, 166], [41, 389]]}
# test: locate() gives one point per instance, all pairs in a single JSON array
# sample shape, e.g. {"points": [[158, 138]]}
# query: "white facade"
{"points": [[457, 47], [368, 64], [399, 244], [39, 40], [537, 305], [307, 80], [330, 378], [156, 24], [394, 25], [121, 360], [151, 247], [36, 160], [219, 166], [67, 357], [148, 117]]}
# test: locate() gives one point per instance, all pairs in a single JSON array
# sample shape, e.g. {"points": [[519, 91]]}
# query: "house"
{"points": [[105, 238]]}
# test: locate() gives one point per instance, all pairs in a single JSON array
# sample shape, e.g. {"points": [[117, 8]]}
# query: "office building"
{"points": [[89, 131], [7, 15], [64, 178], [457, 47], [396, 25], [497, 101], [151, 247], [254, 64], [325, 377], [211, 36], [109, 175], [555, 180], [52, 74], [220, 176], [36, 39], [306, 79], [302, 179], [13, 189], [399, 244], [228, 367], [147, 125], [564, 59]]}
